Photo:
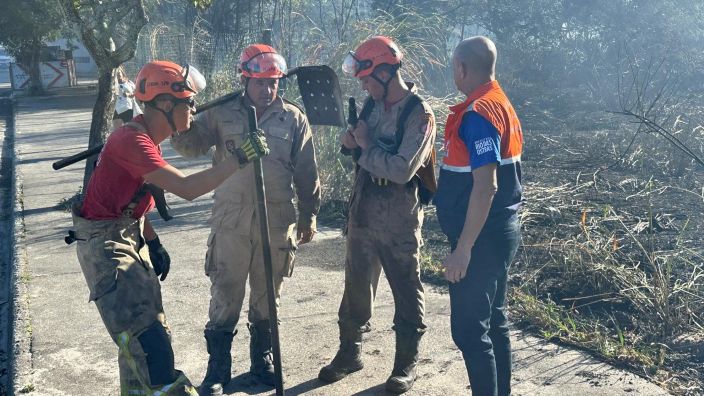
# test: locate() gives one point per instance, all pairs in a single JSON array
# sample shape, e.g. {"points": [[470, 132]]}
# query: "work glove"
{"points": [[253, 147], [161, 261]]}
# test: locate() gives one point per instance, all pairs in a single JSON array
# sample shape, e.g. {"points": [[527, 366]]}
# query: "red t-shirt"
{"points": [[127, 156]]}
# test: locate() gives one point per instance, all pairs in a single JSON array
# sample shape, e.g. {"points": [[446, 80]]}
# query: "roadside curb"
{"points": [[8, 245], [22, 336], [17, 315]]}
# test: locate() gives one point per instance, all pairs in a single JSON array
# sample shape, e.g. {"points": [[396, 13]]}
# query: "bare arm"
{"points": [[191, 186], [149, 233], [483, 191]]}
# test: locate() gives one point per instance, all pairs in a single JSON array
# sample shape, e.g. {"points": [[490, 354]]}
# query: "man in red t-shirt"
{"points": [[115, 241]]}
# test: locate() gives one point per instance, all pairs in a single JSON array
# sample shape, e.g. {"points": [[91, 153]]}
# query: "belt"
{"points": [[380, 181]]}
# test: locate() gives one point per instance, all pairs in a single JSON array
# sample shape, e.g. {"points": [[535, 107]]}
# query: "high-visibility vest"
{"points": [[489, 101]]}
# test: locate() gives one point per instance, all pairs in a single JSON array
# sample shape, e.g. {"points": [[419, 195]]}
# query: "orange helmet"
{"points": [[376, 51], [164, 77], [262, 61]]}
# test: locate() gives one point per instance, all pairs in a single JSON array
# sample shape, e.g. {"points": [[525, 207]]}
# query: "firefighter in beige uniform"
{"points": [[234, 246], [385, 214]]}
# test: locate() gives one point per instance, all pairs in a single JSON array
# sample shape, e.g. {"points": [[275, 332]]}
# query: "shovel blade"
{"points": [[321, 94]]}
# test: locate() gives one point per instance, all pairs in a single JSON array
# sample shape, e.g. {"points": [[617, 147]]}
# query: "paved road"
{"points": [[64, 349]]}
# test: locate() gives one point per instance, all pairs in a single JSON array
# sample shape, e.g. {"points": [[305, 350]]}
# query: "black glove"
{"points": [[253, 147], [159, 257]]}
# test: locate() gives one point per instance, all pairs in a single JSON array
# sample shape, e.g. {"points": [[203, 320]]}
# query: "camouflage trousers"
{"points": [[115, 262]]}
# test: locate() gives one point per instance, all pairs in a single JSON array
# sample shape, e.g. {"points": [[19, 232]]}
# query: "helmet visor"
{"points": [[266, 63], [193, 79], [352, 66]]}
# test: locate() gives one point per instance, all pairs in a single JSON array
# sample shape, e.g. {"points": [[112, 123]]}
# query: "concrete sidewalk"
{"points": [[65, 350]]}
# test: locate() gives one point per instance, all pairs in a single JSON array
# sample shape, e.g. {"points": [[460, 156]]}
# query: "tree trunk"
{"points": [[35, 76], [102, 114], [97, 37]]}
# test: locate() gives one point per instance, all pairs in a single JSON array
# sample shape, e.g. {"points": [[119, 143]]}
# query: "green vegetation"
{"points": [[26, 25]]}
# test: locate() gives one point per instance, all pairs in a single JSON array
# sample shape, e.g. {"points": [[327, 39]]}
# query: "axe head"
{"points": [[321, 94]]}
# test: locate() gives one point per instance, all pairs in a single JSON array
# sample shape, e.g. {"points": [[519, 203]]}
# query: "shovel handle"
{"points": [[266, 252]]}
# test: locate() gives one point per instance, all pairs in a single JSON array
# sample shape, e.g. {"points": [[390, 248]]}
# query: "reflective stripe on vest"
{"points": [[466, 169]]}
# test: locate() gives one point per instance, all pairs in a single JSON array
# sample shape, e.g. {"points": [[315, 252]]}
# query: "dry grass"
{"points": [[612, 259]]}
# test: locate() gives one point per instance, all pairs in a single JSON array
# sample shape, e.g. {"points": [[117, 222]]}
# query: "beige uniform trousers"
{"points": [[235, 252], [115, 262], [383, 232]]}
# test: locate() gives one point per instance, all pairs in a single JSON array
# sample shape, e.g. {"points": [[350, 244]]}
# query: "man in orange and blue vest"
{"points": [[479, 194]]}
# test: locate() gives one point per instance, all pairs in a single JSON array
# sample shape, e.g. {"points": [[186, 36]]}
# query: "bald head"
{"points": [[478, 54]]}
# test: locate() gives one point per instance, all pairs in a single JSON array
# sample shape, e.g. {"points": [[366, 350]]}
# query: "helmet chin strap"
{"points": [[246, 85], [169, 117], [386, 83]]}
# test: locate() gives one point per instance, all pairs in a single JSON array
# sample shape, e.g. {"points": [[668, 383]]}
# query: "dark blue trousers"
{"points": [[478, 303]]}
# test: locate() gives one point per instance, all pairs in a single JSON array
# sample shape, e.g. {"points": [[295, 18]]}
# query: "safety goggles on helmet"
{"points": [[264, 64], [193, 81], [352, 65], [189, 101]]}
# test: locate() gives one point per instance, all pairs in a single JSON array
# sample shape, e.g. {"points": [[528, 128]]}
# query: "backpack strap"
{"points": [[128, 210], [367, 108], [425, 176], [408, 108]]}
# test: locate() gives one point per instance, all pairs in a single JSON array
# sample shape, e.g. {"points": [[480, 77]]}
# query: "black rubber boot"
{"points": [[219, 363], [404, 373], [347, 360], [260, 355]]}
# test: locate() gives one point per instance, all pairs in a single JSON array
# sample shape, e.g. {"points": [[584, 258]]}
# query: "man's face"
{"points": [[262, 91], [372, 86], [183, 111]]}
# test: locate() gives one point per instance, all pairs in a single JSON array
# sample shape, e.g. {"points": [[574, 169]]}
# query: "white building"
{"points": [[85, 66], [5, 60]]}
